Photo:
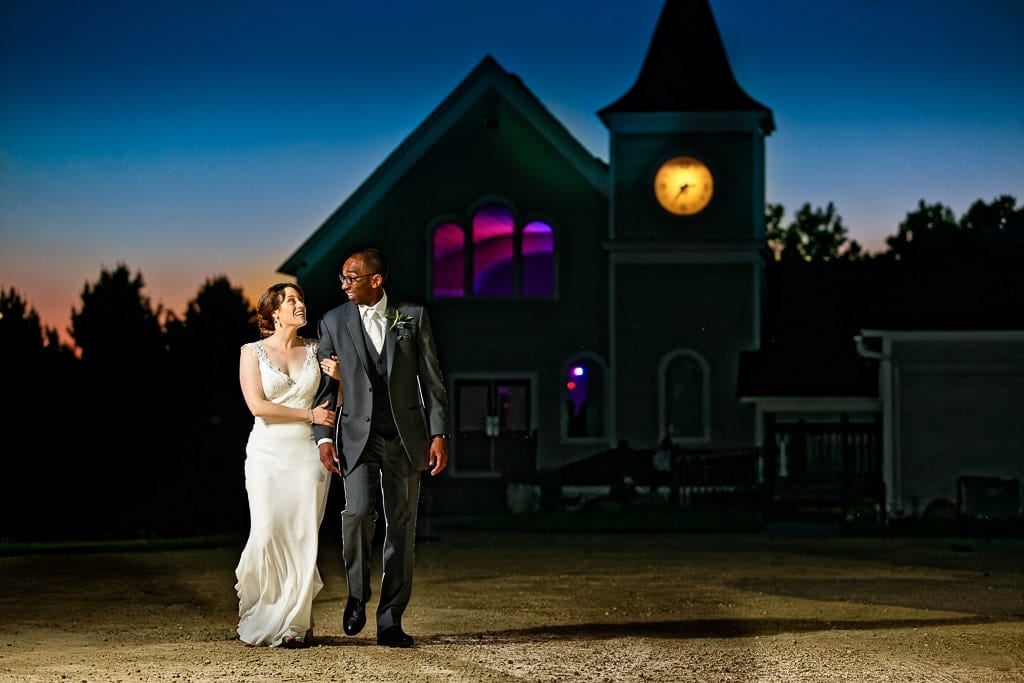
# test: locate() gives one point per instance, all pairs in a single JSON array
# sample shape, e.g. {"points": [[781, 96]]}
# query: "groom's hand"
{"points": [[438, 458], [329, 457]]}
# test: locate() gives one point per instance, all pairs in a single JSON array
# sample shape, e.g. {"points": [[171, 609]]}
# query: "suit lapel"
{"points": [[389, 338], [355, 330]]}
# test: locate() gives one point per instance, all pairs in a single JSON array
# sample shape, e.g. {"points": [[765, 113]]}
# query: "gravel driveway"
{"points": [[537, 607]]}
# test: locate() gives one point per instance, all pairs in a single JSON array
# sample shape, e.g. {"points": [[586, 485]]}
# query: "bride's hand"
{"points": [[330, 367], [322, 415]]}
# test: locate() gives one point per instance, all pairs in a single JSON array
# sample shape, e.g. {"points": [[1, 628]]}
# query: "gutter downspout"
{"points": [[888, 395]]}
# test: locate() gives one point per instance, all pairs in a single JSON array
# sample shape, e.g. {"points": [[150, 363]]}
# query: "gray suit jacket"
{"points": [[415, 384]]}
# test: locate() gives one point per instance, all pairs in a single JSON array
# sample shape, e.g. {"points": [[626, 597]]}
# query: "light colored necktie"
{"points": [[375, 328]]}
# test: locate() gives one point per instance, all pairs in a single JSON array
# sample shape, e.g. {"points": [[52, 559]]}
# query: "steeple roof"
{"points": [[686, 69]]}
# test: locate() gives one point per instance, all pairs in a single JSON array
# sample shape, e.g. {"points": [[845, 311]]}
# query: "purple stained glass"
{"points": [[493, 228], [538, 260], [493, 259], [449, 261]]}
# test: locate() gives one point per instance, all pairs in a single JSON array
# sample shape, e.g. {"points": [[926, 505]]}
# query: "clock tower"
{"points": [[685, 238]]}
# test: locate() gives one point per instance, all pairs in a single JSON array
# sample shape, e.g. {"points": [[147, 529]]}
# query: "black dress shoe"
{"points": [[394, 637], [354, 618]]}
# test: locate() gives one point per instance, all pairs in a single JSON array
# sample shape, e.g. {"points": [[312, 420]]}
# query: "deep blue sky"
{"points": [[197, 138]]}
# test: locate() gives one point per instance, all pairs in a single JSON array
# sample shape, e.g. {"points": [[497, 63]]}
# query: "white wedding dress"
{"points": [[277, 575]]}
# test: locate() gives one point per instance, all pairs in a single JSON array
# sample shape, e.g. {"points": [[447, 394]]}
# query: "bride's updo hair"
{"points": [[270, 302]]}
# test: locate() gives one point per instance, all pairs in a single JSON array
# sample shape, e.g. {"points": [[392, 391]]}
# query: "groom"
{"points": [[391, 425]]}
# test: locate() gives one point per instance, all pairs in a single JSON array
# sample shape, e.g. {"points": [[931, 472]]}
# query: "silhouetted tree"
{"points": [[997, 226], [928, 231], [966, 274], [932, 231], [815, 235], [24, 337], [216, 324], [20, 330], [122, 402], [38, 366], [214, 421], [117, 328]]}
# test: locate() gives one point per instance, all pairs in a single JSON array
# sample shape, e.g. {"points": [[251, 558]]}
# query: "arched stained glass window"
{"points": [[493, 254], [449, 261], [501, 259], [538, 259]]}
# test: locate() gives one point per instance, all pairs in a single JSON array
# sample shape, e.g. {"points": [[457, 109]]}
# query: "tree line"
{"points": [[935, 273], [139, 429]]}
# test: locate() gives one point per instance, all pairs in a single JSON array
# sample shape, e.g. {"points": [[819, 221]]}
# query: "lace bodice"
{"points": [[282, 388]]}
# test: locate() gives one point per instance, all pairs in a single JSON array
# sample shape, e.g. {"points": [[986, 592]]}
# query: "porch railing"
{"points": [[824, 467]]}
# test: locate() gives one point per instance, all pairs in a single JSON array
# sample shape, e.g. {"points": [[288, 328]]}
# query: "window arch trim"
{"points": [[705, 408]]}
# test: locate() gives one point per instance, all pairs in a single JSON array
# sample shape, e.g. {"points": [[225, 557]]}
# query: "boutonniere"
{"points": [[400, 322]]}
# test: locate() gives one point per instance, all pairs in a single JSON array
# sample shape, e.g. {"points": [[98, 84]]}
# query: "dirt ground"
{"points": [[511, 607]]}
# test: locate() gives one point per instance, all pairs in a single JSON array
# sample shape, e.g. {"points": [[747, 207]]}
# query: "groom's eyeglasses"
{"points": [[346, 280]]}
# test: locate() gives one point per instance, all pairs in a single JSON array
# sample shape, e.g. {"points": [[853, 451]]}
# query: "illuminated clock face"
{"points": [[683, 185]]}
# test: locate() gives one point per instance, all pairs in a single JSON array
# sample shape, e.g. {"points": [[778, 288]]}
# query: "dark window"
{"points": [[685, 392], [583, 388]]}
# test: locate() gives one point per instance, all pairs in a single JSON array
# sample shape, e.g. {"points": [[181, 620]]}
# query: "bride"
{"points": [[277, 575]]}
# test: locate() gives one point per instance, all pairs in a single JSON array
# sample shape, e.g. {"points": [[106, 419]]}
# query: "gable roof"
{"points": [[672, 80], [487, 76]]}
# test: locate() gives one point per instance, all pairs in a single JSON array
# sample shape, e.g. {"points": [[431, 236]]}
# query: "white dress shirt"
{"points": [[375, 325]]}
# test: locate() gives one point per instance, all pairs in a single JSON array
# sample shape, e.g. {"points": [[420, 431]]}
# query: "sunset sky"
{"points": [[190, 139]]}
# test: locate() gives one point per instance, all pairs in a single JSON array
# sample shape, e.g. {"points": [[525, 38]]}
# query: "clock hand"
{"points": [[683, 188]]}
